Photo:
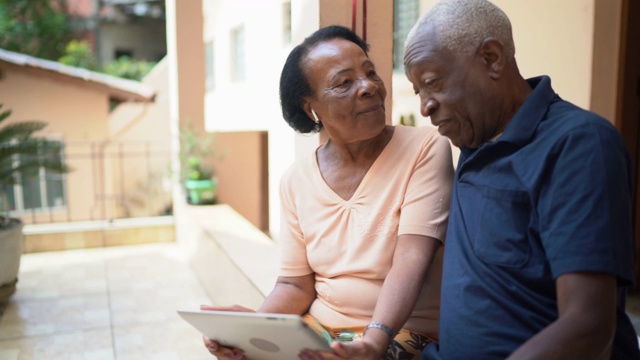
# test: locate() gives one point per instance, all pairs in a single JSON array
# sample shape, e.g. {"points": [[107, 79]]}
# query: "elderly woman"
{"points": [[364, 215]]}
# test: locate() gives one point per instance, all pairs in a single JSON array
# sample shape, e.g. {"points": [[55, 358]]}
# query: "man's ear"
{"points": [[492, 53]]}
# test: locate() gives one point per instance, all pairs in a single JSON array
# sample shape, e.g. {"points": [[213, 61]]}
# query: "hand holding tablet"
{"points": [[261, 336]]}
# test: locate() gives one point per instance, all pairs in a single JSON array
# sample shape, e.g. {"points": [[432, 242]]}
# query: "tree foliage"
{"points": [[35, 27], [17, 141], [127, 68], [17, 138], [78, 53]]}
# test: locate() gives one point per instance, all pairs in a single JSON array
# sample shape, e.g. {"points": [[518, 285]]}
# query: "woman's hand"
{"points": [[223, 352], [357, 350]]}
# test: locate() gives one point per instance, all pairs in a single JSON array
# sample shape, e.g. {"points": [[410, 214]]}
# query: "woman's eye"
{"points": [[374, 75], [343, 84]]}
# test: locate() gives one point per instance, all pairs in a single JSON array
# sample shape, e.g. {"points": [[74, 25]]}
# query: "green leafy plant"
{"points": [[408, 121], [195, 170], [127, 68], [17, 141], [35, 27], [78, 53], [195, 148]]}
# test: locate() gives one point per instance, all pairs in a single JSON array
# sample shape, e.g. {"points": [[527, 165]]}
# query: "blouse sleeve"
{"points": [[425, 209], [292, 245]]}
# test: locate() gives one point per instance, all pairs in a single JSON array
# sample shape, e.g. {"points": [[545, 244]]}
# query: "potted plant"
{"points": [[198, 179], [21, 155]]}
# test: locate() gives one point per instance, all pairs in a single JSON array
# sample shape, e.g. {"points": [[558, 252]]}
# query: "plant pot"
{"points": [[10, 253], [201, 192]]}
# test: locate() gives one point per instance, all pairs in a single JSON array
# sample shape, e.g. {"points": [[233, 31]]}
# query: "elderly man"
{"points": [[539, 248]]}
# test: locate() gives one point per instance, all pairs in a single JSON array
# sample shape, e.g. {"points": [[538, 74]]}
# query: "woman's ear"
{"points": [[310, 112], [315, 116], [492, 53]]}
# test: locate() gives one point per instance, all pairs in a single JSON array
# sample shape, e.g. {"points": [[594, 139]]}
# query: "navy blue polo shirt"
{"points": [[552, 195]]}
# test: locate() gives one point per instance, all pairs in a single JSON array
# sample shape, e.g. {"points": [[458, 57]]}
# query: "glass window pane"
{"points": [[210, 65], [238, 53], [55, 189], [286, 23], [8, 198], [30, 184], [405, 15], [31, 192]]}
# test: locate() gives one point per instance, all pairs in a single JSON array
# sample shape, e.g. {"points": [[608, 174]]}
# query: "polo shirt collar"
{"points": [[524, 123]]}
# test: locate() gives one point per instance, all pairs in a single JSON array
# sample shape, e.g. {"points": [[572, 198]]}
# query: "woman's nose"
{"points": [[367, 86]]}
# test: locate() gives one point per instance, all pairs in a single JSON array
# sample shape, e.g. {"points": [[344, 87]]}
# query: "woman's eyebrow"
{"points": [[367, 62], [339, 73]]}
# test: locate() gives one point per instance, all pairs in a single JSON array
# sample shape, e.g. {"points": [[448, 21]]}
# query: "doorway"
{"points": [[628, 108]]}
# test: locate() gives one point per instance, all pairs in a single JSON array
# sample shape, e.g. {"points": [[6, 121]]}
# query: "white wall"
{"points": [[254, 104], [555, 38]]}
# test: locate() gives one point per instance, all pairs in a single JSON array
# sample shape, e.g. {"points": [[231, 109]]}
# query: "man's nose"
{"points": [[429, 107]]}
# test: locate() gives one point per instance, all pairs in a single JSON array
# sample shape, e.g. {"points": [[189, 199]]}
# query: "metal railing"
{"points": [[108, 180]]}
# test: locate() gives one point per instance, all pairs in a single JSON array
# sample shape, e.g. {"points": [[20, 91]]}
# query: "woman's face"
{"points": [[348, 93]]}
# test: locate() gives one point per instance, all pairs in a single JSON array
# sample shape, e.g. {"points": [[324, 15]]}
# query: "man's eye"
{"points": [[430, 82]]}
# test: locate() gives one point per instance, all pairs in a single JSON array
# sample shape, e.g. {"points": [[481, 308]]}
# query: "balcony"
{"points": [[120, 302]]}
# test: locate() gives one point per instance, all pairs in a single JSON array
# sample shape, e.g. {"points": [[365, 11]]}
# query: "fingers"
{"points": [[340, 349], [222, 352], [357, 350], [313, 355], [343, 352], [209, 343]]}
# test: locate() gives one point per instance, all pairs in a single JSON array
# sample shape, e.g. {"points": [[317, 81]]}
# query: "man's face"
{"points": [[452, 90]]}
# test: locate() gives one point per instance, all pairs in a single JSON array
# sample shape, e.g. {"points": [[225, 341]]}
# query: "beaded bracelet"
{"points": [[381, 326]]}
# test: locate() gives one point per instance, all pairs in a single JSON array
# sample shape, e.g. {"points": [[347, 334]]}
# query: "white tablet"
{"points": [[261, 336]]}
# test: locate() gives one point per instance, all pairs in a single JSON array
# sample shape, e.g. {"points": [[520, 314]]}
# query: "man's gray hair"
{"points": [[462, 25]]}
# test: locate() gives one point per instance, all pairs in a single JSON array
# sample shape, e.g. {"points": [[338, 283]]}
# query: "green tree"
{"points": [[127, 68], [35, 27], [79, 53]]}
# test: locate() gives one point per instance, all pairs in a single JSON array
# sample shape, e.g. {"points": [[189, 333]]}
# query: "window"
{"points": [[42, 191], [210, 66], [118, 53], [405, 15], [238, 54], [286, 23]]}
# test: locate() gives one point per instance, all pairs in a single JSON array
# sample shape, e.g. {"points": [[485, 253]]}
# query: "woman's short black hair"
{"points": [[294, 85]]}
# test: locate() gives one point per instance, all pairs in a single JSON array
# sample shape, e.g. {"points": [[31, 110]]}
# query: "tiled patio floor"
{"points": [[108, 303]]}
